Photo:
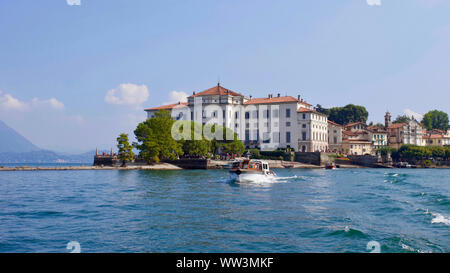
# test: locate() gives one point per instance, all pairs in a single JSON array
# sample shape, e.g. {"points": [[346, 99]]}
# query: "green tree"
{"points": [[125, 149], [438, 152], [154, 138], [435, 120], [402, 119], [347, 114], [322, 110], [201, 147], [229, 143]]}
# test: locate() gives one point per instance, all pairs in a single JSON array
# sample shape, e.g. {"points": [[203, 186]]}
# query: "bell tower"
{"points": [[387, 120]]}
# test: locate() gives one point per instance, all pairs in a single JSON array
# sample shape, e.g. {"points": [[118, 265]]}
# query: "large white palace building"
{"points": [[266, 123]]}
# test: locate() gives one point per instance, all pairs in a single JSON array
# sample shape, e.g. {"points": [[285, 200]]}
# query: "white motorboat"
{"points": [[250, 170]]}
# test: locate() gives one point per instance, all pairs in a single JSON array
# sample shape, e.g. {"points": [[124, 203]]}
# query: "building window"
{"points": [[266, 137], [275, 113], [304, 116], [288, 137], [236, 115], [247, 115], [303, 135], [303, 125], [288, 113], [276, 137], [288, 124]]}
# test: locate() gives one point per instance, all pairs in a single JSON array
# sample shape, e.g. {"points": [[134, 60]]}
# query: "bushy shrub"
{"points": [[413, 152]]}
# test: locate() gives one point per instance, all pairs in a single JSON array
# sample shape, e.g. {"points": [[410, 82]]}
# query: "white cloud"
{"points": [[73, 2], [373, 2], [8, 102], [127, 94], [177, 96], [410, 113], [50, 103]]}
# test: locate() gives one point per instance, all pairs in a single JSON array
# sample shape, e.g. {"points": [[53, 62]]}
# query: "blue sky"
{"points": [[72, 77]]}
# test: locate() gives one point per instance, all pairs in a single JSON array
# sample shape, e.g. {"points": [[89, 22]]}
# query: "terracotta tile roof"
{"points": [[168, 107], [306, 110], [376, 129], [305, 103], [272, 100], [435, 131], [334, 123], [354, 123], [396, 125], [217, 90], [349, 133], [433, 136]]}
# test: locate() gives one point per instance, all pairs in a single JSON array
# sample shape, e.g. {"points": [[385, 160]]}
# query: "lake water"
{"points": [[203, 211]]}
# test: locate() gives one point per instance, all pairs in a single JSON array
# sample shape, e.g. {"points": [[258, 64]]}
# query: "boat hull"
{"points": [[250, 176]]}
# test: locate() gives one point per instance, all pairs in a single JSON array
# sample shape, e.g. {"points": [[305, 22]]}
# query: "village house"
{"points": [[313, 128], [356, 139], [410, 132], [334, 137], [378, 136], [356, 142], [436, 137]]}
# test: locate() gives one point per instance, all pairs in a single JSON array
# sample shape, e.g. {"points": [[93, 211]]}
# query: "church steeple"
{"points": [[387, 120]]}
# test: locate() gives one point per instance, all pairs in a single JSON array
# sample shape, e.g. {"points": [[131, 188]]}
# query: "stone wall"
{"points": [[314, 158], [363, 160], [105, 161], [191, 163]]}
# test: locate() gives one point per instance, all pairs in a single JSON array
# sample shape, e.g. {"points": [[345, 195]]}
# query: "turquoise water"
{"points": [[203, 211]]}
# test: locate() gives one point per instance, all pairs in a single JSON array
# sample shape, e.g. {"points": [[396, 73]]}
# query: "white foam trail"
{"points": [[440, 219], [408, 248], [261, 180], [285, 178]]}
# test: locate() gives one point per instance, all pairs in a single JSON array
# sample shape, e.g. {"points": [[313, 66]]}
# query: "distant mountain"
{"points": [[44, 156], [14, 148], [13, 142]]}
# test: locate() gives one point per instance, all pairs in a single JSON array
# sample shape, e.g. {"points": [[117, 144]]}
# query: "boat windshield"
{"points": [[254, 165], [236, 164]]}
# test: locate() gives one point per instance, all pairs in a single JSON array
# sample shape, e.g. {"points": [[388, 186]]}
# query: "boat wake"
{"points": [[438, 218], [265, 180]]}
